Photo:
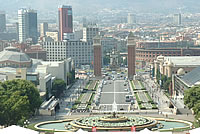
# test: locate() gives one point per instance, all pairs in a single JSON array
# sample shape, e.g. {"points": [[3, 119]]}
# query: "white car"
{"points": [[125, 89]]}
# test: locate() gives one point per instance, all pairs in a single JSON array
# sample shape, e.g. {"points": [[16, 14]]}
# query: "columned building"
{"points": [[97, 56], [131, 55]]}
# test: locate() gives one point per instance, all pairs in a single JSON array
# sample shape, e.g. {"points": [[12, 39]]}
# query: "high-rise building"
{"points": [[97, 56], [32, 25], [177, 19], [131, 19], [90, 32], [2, 22], [27, 20], [43, 28], [131, 56], [65, 20], [23, 25]]}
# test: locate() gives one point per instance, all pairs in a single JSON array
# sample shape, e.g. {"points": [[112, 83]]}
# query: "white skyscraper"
{"points": [[177, 19], [27, 20], [131, 19], [23, 25]]}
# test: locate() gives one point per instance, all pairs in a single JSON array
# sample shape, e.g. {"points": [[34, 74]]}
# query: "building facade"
{"points": [[53, 35], [27, 20], [80, 52], [65, 20], [89, 33], [170, 65], [177, 19], [32, 25], [43, 29]]}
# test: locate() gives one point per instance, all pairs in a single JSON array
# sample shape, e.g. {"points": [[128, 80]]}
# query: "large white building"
{"points": [[81, 52]]}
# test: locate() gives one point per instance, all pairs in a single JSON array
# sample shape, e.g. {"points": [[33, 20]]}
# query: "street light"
{"points": [[26, 122]]}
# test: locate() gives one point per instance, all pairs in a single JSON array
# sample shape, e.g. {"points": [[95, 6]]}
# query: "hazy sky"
{"points": [[90, 5]]}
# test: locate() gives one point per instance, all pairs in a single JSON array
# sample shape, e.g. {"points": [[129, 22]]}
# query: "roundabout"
{"points": [[113, 123]]}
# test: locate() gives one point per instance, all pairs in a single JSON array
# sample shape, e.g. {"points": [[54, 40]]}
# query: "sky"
{"points": [[93, 5]]}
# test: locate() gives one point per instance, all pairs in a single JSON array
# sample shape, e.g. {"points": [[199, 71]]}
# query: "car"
{"points": [[110, 83], [125, 89], [127, 98], [105, 82], [132, 102], [125, 84]]}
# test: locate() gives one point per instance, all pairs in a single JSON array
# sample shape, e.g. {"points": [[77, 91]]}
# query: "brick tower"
{"points": [[131, 55]]}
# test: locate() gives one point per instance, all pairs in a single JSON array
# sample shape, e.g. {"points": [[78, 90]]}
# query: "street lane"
{"points": [[114, 93]]}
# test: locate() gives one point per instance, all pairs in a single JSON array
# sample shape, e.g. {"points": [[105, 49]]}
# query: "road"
{"points": [[69, 97], [113, 96]]}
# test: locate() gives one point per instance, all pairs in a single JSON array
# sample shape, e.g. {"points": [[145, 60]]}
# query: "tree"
{"points": [[18, 102], [192, 96], [106, 60], [59, 86], [192, 100], [70, 77]]}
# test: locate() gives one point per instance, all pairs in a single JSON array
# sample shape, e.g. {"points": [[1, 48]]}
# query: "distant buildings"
{"points": [[53, 35], [2, 22], [149, 50], [43, 29], [90, 32], [27, 20], [65, 20], [177, 19], [131, 19]]}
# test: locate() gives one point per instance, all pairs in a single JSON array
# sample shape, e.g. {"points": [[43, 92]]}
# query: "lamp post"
{"points": [[26, 122]]}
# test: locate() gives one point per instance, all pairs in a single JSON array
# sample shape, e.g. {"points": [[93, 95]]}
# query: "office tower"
{"points": [[90, 32], [131, 56], [97, 56], [131, 19], [2, 22], [177, 19], [27, 20], [32, 25], [43, 28], [65, 20], [23, 25]]}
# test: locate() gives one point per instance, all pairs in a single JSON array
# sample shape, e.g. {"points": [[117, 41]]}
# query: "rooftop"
{"points": [[14, 56], [183, 60], [192, 78]]}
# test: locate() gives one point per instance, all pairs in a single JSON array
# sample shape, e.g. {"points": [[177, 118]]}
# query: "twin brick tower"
{"points": [[98, 56]]}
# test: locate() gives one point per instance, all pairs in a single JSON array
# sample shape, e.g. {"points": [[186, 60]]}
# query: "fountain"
{"points": [[113, 122]]}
